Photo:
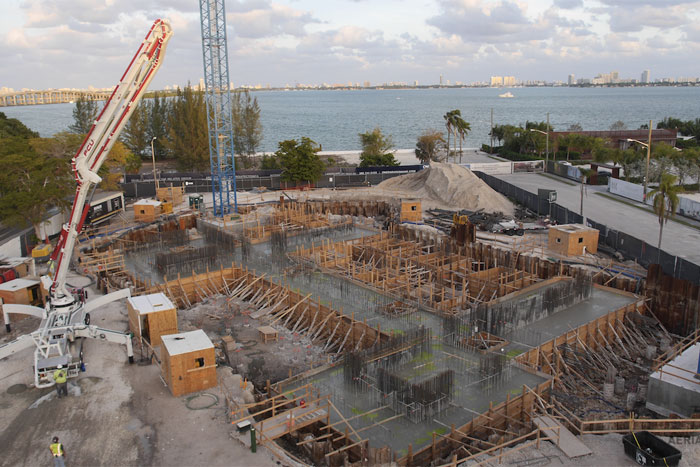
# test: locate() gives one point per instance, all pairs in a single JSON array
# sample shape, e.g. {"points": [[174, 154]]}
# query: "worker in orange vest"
{"points": [[57, 452]]}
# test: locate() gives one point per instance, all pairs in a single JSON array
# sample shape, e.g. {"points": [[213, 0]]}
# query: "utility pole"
{"points": [[491, 147], [646, 175], [153, 158]]}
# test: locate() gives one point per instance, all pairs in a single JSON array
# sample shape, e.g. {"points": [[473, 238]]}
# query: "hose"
{"points": [[196, 396]]}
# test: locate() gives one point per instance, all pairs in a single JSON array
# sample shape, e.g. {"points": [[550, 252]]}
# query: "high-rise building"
{"points": [[509, 81], [440, 80], [572, 79], [646, 75], [201, 84], [497, 81]]}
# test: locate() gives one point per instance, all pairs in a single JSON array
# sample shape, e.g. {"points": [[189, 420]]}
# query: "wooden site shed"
{"points": [[188, 362], [147, 210], [571, 239], [173, 194], [411, 210], [22, 291], [152, 316]]}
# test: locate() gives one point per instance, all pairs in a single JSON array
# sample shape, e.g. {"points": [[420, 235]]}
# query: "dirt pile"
{"points": [[451, 186]]}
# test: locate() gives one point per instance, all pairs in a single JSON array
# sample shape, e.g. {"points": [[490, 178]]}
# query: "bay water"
{"points": [[334, 118]]}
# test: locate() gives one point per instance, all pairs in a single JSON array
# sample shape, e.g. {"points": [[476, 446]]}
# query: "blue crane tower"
{"points": [[217, 96]]}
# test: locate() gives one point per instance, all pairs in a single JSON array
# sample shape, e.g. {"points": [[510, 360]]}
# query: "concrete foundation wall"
{"points": [[665, 399]]}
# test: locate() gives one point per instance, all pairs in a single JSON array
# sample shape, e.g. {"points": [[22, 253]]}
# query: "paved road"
{"points": [[678, 239]]}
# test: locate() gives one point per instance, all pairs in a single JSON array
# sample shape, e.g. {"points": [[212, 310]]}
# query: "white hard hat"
{"points": [[60, 366]]}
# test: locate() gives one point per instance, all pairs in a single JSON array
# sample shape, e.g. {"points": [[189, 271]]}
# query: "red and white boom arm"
{"points": [[99, 141]]}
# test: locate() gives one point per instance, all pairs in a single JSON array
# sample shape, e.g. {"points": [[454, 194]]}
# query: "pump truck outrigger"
{"points": [[66, 315]]}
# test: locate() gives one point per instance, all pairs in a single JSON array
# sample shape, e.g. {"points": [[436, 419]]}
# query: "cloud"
{"points": [[568, 4], [502, 21], [647, 16], [273, 20]]}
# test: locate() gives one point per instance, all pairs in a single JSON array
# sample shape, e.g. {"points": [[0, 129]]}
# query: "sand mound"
{"points": [[450, 185]]}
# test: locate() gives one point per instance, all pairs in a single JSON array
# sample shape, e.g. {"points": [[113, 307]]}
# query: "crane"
{"points": [[66, 315]]}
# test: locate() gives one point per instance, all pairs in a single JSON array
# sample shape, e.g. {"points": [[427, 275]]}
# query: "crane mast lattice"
{"points": [[217, 95]]}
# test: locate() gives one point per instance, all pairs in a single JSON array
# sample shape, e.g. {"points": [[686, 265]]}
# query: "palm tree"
{"points": [[449, 122], [666, 201], [462, 128]]}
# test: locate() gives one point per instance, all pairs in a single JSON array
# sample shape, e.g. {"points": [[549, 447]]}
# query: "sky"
{"points": [[81, 43]]}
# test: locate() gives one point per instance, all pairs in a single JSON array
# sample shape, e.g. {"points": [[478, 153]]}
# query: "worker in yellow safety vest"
{"points": [[57, 452], [60, 378]]}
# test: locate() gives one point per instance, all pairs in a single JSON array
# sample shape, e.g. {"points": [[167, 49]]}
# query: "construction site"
{"points": [[427, 320], [359, 338]]}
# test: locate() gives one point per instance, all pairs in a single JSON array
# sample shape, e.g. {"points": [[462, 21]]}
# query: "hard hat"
{"points": [[59, 366]]}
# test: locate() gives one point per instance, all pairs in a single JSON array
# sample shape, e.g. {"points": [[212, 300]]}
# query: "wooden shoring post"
{"points": [[288, 312], [330, 339], [342, 345], [320, 327], [301, 317]]}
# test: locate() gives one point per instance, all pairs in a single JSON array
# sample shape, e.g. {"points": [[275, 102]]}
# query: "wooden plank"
{"points": [[567, 442]]}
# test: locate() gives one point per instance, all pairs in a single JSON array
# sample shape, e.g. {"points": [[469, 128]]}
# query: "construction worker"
{"points": [[60, 378], [57, 452]]}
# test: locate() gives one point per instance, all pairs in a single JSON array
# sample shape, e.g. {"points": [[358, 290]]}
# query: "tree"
{"points": [[188, 135], [462, 129], [84, 115], [32, 181], [10, 127], [575, 127], [665, 201], [115, 165], [457, 127], [429, 146], [269, 162], [377, 149], [137, 131], [247, 129], [156, 113], [618, 126], [498, 132], [300, 161]]}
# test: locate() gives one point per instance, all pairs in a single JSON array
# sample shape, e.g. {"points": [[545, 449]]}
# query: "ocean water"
{"points": [[334, 118]]}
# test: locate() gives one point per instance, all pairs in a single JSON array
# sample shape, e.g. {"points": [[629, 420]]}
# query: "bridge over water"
{"points": [[51, 96]]}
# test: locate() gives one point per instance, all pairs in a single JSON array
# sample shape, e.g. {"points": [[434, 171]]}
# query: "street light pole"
{"points": [[546, 151], [153, 158], [648, 146], [646, 175]]}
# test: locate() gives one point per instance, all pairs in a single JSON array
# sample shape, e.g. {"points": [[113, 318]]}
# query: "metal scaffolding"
{"points": [[218, 99]]}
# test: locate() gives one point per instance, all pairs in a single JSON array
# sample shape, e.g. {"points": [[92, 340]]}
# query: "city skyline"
{"points": [[60, 43]]}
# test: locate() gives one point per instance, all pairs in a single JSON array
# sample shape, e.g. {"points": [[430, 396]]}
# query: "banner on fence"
{"points": [[492, 168], [626, 189], [689, 207], [528, 166]]}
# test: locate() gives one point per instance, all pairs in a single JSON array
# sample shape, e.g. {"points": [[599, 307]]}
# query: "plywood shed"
{"points": [[152, 316], [188, 362], [147, 210], [173, 194], [572, 239], [22, 292], [411, 210]]}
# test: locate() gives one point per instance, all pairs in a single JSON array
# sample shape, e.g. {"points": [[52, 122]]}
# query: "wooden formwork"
{"points": [[426, 275], [486, 432], [592, 335], [278, 304]]}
